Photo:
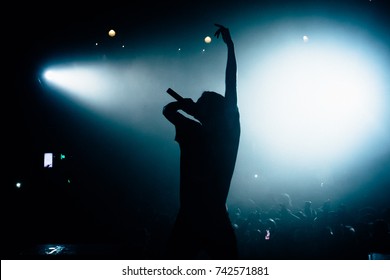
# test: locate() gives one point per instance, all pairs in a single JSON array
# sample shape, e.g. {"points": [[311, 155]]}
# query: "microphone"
{"points": [[174, 94]]}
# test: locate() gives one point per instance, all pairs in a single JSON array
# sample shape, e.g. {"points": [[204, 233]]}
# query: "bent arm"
{"points": [[170, 111]]}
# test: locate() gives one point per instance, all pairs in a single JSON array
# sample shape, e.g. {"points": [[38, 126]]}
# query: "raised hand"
{"points": [[222, 30]]}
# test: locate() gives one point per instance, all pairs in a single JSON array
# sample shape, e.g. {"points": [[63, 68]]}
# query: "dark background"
{"points": [[121, 179]]}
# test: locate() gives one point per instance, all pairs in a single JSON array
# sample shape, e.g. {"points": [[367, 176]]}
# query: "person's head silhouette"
{"points": [[209, 106]]}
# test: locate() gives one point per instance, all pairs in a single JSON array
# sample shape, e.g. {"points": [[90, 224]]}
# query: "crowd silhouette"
{"points": [[284, 232]]}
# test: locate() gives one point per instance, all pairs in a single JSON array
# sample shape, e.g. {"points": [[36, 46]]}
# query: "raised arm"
{"points": [[231, 66]]}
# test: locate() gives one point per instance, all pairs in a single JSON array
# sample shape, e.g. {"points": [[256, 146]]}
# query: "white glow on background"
{"points": [[86, 83], [312, 103], [315, 104], [133, 90]]}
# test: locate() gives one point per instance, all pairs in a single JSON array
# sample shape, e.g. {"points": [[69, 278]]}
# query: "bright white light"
{"points": [[50, 75], [312, 104], [122, 90], [85, 83], [48, 160]]}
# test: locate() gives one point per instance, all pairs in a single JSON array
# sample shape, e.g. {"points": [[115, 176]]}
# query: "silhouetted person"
{"points": [[208, 152]]}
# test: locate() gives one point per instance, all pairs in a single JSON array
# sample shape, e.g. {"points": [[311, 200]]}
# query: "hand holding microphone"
{"points": [[186, 104]]}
